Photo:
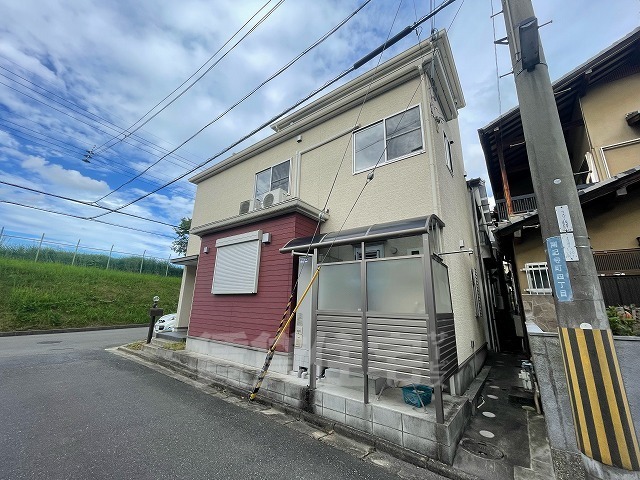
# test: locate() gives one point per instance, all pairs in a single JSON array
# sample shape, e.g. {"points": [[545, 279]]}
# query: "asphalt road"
{"points": [[71, 410]]}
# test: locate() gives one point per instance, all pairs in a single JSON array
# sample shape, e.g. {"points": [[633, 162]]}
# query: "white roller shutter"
{"points": [[237, 264]]}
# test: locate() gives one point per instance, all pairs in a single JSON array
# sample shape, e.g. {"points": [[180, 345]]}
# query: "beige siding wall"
{"points": [[618, 227], [401, 189], [604, 110], [455, 210], [398, 190], [186, 296]]}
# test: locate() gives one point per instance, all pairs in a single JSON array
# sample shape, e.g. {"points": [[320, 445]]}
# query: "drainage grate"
{"points": [[481, 449]]}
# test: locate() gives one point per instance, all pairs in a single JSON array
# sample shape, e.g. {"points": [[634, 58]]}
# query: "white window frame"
{"points": [[535, 288], [270, 169], [383, 121], [237, 264], [592, 176], [447, 152]]}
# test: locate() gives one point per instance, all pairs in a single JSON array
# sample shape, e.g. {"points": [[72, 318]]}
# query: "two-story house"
{"points": [[598, 104], [367, 183]]}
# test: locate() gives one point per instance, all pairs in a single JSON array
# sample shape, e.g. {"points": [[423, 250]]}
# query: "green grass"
{"points": [[37, 296], [96, 260]]}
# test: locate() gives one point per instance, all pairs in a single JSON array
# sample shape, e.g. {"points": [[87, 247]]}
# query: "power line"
{"points": [[455, 16], [81, 110], [355, 66], [74, 150], [87, 123], [87, 204], [280, 71], [83, 218], [129, 130]]}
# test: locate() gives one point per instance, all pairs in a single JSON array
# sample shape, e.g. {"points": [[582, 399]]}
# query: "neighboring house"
{"points": [[598, 105], [382, 307]]}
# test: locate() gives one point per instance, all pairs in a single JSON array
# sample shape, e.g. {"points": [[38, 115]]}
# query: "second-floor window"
{"points": [[447, 152], [400, 133], [272, 178]]}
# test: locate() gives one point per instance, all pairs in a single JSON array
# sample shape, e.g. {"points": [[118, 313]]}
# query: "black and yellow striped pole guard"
{"points": [[601, 414], [281, 330]]}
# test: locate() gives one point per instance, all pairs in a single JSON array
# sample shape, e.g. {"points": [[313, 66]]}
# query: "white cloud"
{"points": [[68, 180], [117, 59]]}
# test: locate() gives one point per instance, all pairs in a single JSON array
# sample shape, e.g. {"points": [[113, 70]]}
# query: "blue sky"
{"points": [[73, 74]]}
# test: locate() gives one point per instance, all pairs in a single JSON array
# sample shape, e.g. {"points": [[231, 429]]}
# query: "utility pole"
{"points": [[604, 429]]}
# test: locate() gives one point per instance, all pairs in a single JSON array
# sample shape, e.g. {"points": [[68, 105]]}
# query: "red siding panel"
{"points": [[249, 319]]}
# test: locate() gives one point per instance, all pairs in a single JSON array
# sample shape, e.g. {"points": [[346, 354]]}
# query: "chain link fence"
{"points": [[24, 247]]}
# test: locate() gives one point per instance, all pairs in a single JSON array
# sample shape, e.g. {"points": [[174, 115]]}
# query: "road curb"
{"points": [[19, 333]]}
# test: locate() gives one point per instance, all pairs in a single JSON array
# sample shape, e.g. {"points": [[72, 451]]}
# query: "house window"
{"points": [[401, 133], [272, 178], [537, 278], [447, 152], [237, 264]]}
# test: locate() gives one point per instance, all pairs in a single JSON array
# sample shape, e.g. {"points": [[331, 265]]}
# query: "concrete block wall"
{"points": [[415, 430], [547, 359]]}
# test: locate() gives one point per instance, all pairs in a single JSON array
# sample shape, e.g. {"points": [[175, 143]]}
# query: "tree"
{"points": [[179, 245]]}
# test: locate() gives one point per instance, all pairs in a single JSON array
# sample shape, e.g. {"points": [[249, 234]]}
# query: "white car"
{"points": [[166, 323]]}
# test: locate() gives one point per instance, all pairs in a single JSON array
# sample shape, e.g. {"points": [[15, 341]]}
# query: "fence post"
{"points": [[142, 261], [39, 247], [166, 272], [73, 260], [109, 259]]}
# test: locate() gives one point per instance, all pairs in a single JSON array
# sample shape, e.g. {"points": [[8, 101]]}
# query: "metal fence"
{"points": [[24, 247]]}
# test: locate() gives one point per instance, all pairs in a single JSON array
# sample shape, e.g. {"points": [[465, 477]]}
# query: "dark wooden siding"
{"points": [[249, 319], [620, 290]]}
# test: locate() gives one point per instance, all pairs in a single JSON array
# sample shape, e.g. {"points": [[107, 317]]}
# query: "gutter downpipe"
{"points": [[429, 138]]}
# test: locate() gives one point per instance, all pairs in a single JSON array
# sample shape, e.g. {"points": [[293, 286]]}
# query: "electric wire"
{"points": [[456, 15], [81, 110], [86, 123], [108, 162], [82, 218], [356, 65], [87, 204], [276, 74], [131, 129], [369, 178], [75, 150]]}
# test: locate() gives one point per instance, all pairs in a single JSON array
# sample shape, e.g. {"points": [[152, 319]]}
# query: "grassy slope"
{"points": [[48, 295]]}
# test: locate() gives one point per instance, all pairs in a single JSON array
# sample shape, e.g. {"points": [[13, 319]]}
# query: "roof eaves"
{"points": [[293, 205]]}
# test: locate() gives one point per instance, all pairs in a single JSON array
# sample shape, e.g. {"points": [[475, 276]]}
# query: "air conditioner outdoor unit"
{"points": [[249, 205], [274, 196]]}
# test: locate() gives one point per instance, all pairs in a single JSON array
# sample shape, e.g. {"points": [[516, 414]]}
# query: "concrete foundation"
{"points": [[244, 355]]}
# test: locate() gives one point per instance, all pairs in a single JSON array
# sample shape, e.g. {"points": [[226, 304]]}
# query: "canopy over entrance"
{"points": [[399, 228]]}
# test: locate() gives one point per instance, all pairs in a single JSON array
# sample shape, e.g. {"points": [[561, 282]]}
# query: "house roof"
{"points": [[620, 59], [388, 75], [586, 195]]}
